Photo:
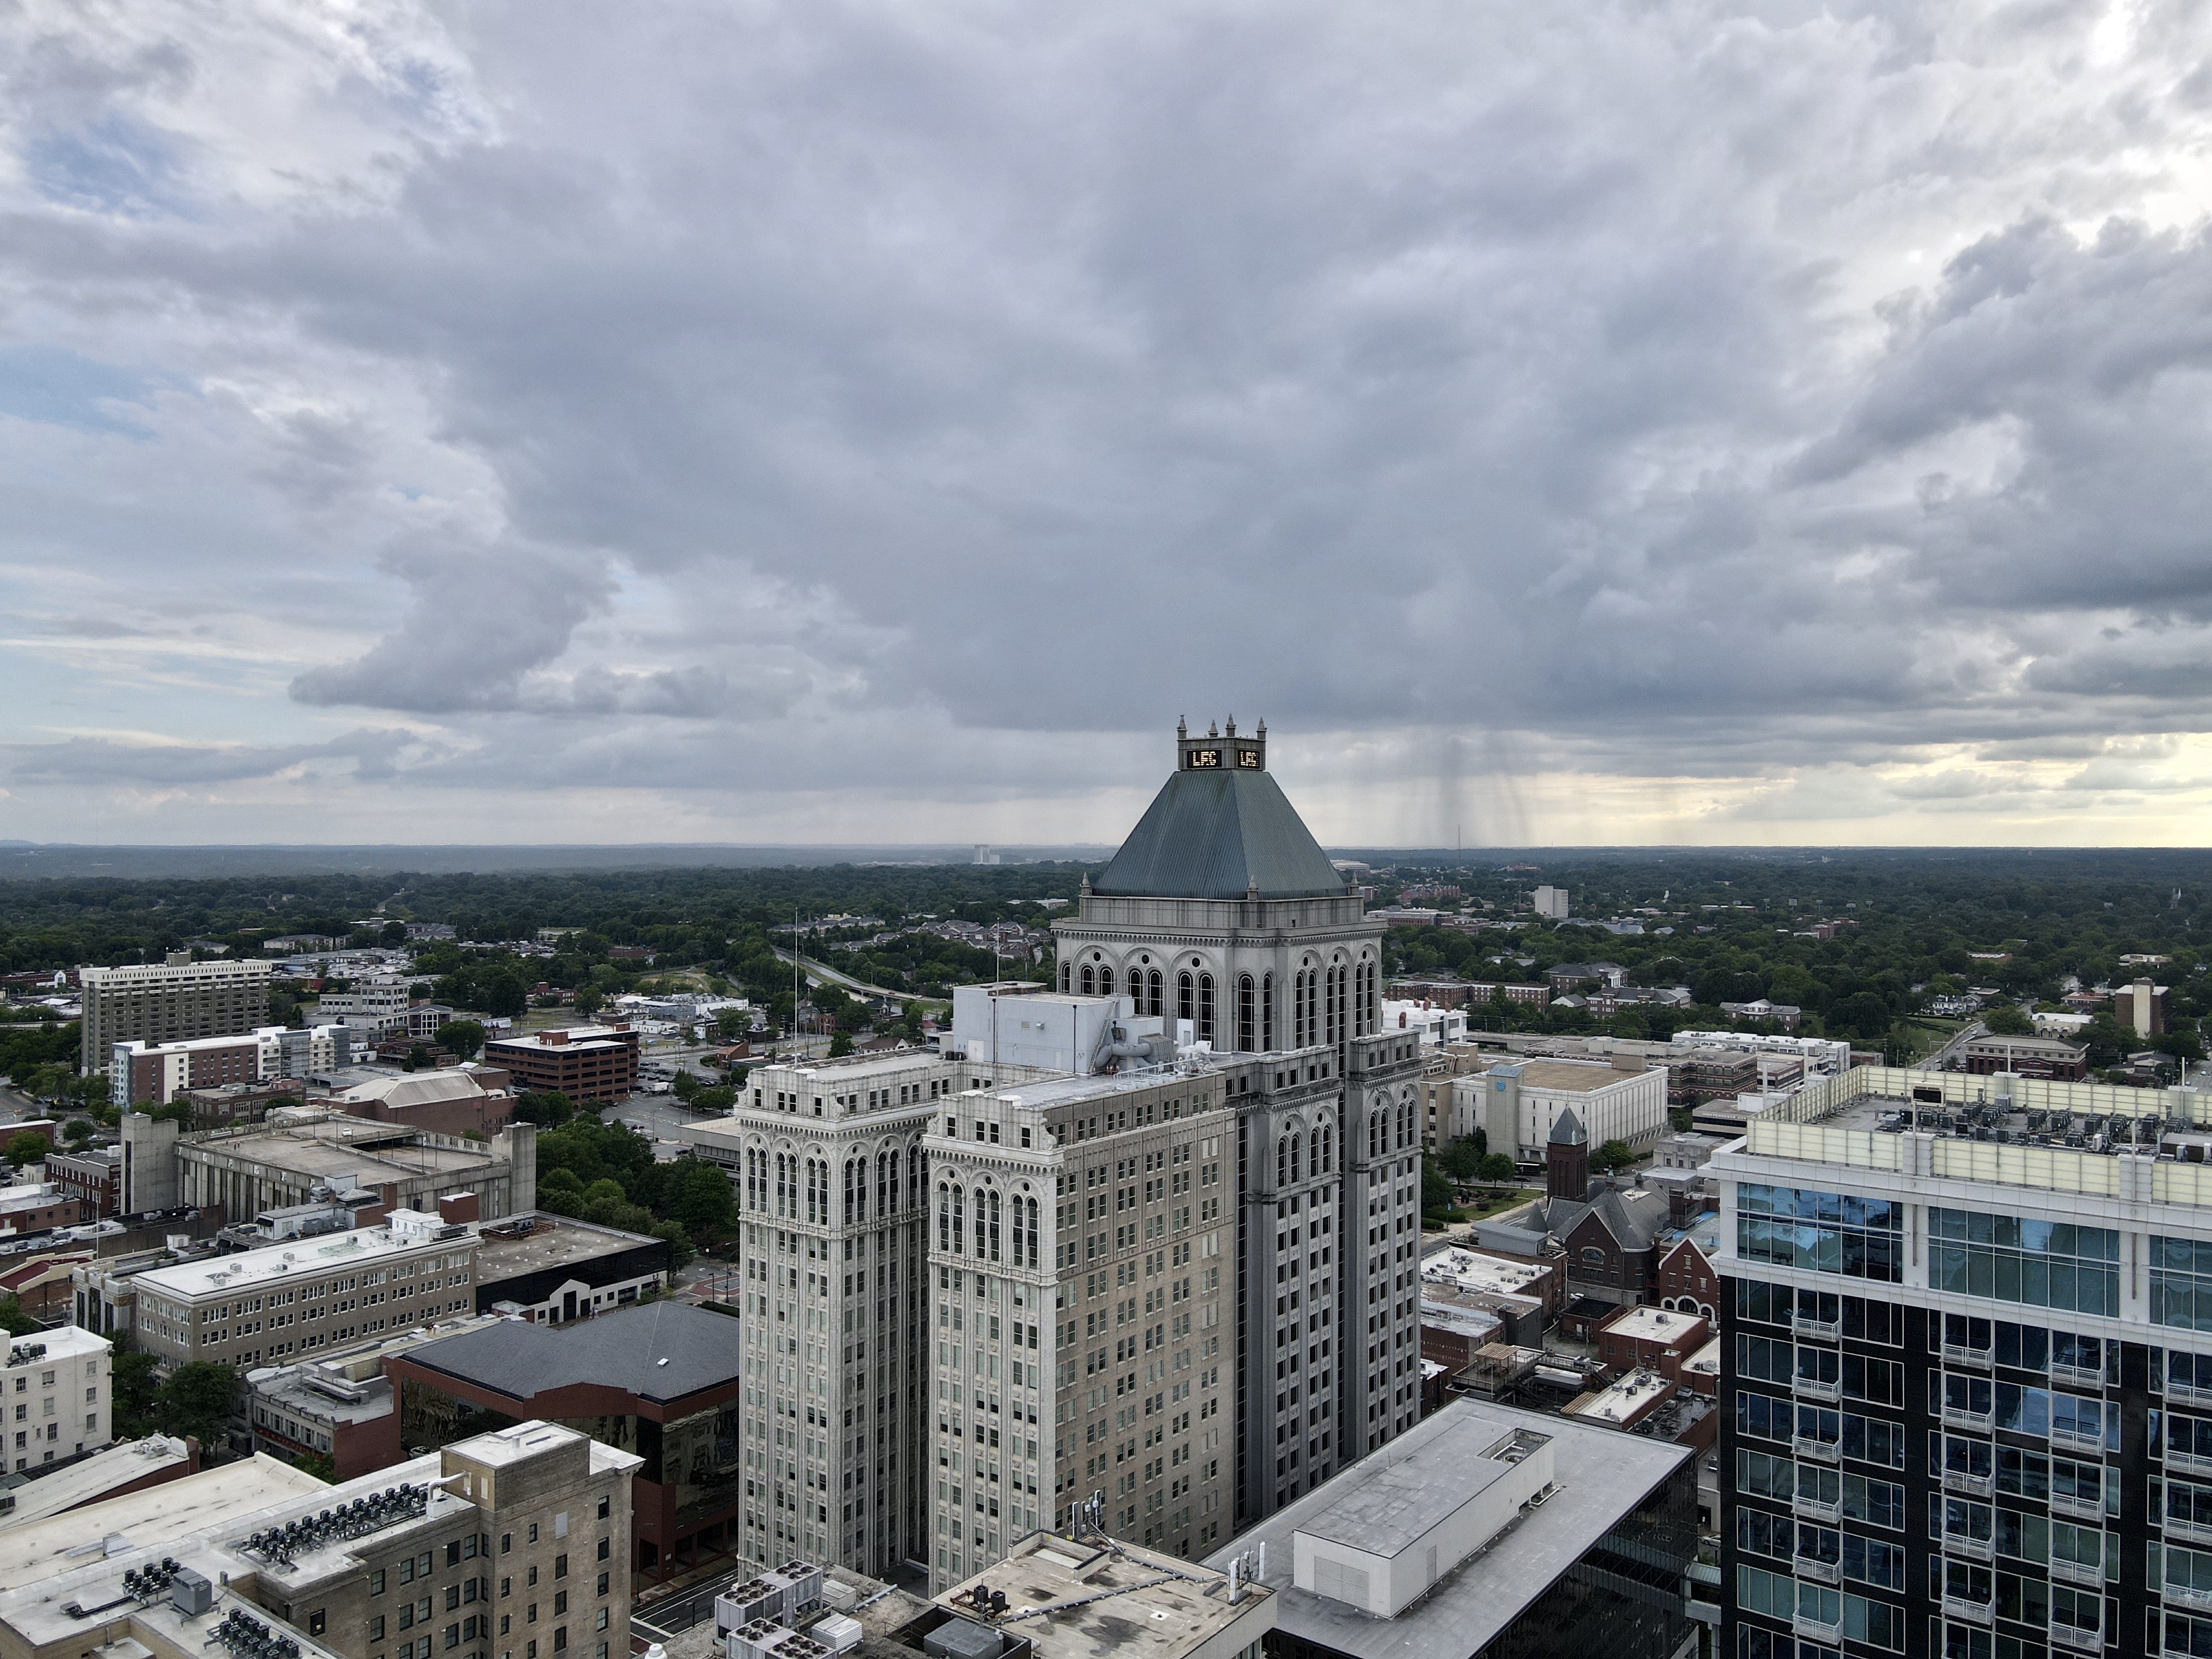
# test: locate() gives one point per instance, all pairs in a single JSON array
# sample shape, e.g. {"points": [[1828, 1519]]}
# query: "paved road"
{"points": [[1968, 1033], [822, 975]]}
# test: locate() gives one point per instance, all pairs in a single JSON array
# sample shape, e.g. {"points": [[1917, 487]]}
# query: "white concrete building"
{"points": [[1550, 902], [1437, 1027], [1516, 1103], [58, 1395], [375, 1005]]}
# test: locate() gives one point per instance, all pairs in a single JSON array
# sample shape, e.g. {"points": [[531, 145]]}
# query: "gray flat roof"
{"points": [[1393, 1506], [1600, 1475], [659, 1351]]}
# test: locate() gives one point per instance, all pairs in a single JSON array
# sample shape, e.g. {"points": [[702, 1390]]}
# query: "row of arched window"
{"points": [[798, 1189], [1328, 1004], [1020, 1236], [1289, 1154], [1383, 1120]]}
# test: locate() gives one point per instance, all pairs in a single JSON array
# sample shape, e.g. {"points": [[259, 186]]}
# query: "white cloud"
{"points": [[1619, 423]]}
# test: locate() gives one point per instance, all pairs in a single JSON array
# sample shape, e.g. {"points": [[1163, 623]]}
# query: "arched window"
{"points": [[944, 1218], [959, 1220], [993, 1199], [1155, 1000], [1090, 981], [1206, 1008], [752, 1179], [886, 1184], [1186, 997], [1324, 1149], [1105, 982], [1375, 1134], [1066, 975], [1247, 1015], [853, 1204], [1268, 1013], [1309, 1006], [1373, 1015], [1030, 1231], [916, 1173], [1282, 1162], [1296, 1147]]}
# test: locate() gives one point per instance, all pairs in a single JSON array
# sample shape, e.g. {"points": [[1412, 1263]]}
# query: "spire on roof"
{"points": [[1567, 1130]]}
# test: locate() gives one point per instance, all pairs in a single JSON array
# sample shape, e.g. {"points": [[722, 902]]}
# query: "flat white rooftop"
{"points": [[220, 1275], [1652, 1325], [1632, 1394], [1470, 1271]]}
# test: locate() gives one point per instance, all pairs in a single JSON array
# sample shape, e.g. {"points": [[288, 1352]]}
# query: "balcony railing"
{"points": [[1973, 1549], [1815, 1388], [2187, 1393], [1821, 1630], [2188, 1462], [1980, 1360], [2081, 1509], [2077, 1572], [2188, 1596], [2070, 1434], [1813, 1508], [1958, 1416], [1982, 1612], [1817, 1571], [1822, 1451], [2081, 1641], [2092, 1376], [1808, 1325], [1974, 1485], [2195, 1532]]}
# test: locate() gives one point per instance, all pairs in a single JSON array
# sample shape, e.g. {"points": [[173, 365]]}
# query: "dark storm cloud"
{"points": [[1417, 371]]}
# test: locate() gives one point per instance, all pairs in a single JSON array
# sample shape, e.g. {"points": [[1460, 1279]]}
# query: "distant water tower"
{"points": [[984, 854]]}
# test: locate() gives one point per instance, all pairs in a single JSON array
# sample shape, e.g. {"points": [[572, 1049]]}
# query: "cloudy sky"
{"points": [[756, 422]]}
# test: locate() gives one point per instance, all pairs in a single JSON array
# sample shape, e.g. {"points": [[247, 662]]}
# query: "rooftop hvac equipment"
{"points": [[802, 1586], [836, 1632], [763, 1640], [190, 1592], [964, 1638], [842, 1596]]}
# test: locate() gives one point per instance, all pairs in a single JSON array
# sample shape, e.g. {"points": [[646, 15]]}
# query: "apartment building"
{"points": [[56, 1389], [269, 1306], [141, 1073], [827, 1161], [1081, 1276], [173, 1002], [1966, 1371], [507, 1544]]}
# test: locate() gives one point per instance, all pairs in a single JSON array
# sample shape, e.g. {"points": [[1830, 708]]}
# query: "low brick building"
{"points": [[94, 1175], [583, 1062], [1651, 1338], [1688, 1281]]}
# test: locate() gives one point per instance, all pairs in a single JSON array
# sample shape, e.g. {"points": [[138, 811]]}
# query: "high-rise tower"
{"points": [[1222, 914]]}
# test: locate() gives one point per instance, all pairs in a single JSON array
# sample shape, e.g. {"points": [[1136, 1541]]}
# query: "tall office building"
{"points": [[1082, 1225], [827, 1161], [1967, 1377], [1210, 1301], [173, 1002], [1222, 914]]}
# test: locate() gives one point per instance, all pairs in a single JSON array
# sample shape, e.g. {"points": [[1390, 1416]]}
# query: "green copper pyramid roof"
{"points": [[1220, 834]]}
